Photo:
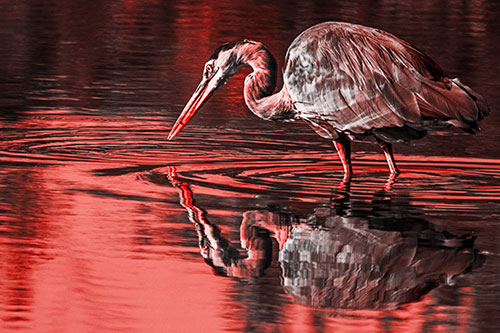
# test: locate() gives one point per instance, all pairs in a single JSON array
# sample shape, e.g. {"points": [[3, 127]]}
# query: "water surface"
{"points": [[105, 225]]}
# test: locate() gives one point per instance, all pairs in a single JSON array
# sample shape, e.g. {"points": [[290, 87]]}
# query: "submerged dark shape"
{"points": [[347, 82], [340, 256]]}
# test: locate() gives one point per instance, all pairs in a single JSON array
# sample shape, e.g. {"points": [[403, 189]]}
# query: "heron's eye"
{"points": [[209, 69]]}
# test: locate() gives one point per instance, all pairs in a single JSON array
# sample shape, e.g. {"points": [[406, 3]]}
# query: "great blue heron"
{"points": [[347, 82]]}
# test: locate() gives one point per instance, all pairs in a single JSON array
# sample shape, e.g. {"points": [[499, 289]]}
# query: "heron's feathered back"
{"points": [[359, 80]]}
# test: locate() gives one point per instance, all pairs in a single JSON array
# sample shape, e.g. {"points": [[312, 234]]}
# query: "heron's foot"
{"points": [[393, 177], [343, 147], [394, 172], [347, 176], [339, 200], [345, 184]]}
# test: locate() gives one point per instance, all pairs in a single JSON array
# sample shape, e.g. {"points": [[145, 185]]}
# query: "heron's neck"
{"points": [[260, 84]]}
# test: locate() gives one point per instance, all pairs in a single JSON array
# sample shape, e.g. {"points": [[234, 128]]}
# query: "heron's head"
{"points": [[224, 62]]}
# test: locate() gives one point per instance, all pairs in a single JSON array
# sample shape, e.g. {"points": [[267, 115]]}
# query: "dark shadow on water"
{"points": [[345, 254]]}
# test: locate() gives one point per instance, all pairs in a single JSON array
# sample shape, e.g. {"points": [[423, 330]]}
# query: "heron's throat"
{"points": [[261, 83]]}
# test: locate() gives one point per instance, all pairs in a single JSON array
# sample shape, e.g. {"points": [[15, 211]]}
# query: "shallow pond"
{"points": [[105, 225]]}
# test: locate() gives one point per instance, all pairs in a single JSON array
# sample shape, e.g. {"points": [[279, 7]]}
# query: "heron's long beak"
{"points": [[200, 95]]}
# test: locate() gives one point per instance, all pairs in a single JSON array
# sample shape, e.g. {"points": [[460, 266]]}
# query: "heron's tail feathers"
{"points": [[451, 102]]}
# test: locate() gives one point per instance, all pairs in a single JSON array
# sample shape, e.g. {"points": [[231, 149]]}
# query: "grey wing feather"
{"points": [[354, 79]]}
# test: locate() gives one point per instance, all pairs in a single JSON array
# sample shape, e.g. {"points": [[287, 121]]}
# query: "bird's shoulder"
{"points": [[355, 78], [349, 47]]}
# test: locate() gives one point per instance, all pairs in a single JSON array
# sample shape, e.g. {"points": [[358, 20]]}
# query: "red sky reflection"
{"points": [[100, 254], [91, 273]]}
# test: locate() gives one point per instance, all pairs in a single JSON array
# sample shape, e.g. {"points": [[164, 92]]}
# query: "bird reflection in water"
{"points": [[375, 256]]}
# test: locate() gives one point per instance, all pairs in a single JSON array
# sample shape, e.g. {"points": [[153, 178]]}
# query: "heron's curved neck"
{"points": [[260, 84]]}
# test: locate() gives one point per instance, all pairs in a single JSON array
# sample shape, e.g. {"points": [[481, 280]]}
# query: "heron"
{"points": [[348, 82]]}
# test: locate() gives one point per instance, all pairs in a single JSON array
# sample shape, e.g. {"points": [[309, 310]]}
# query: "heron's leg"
{"points": [[387, 148], [340, 200], [343, 146]]}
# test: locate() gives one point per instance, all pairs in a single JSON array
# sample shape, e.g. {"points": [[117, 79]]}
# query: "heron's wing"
{"points": [[354, 79]]}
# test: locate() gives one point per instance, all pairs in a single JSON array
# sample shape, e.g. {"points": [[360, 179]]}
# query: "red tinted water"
{"points": [[98, 232]]}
